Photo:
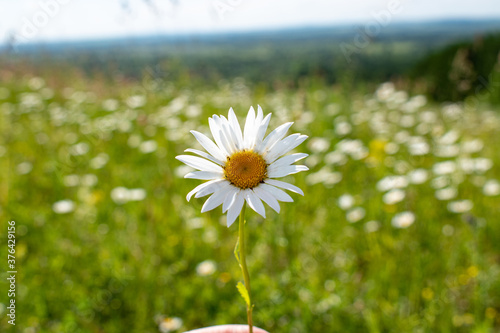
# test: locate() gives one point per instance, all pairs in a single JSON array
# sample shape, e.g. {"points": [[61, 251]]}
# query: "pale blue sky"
{"points": [[43, 20]]}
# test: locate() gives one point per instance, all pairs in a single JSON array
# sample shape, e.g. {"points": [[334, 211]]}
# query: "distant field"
{"points": [[398, 230], [265, 57]]}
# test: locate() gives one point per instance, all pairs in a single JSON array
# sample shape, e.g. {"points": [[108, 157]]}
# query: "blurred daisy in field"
{"points": [[148, 146], [88, 180], [193, 111], [401, 167], [444, 168], [391, 148], [356, 214], [418, 176], [440, 182], [403, 220], [447, 151], [136, 101], [372, 226], [418, 147], [313, 161], [24, 168], [401, 137], [335, 158], [452, 111], [345, 201], [166, 325], [423, 128], [134, 140], [99, 161], [121, 195], [385, 91], [354, 148], [391, 182], [343, 128], [407, 121], [36, 83], [79, 149], [491, 188], [447, 193], [332, 109], [394, 196], [429, 117], [449, 138], [482, 164], [318, 145], [466, 164], [63, 206], [472, 146], [182, 170], [460, 206], [206, 268], [71, 180], [242, 165], [110, 105], [30, 101], [324, 176], [398, 98]]}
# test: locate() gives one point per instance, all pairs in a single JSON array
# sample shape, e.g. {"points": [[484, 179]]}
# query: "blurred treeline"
{"points": [[462, 69], [447, 61]]}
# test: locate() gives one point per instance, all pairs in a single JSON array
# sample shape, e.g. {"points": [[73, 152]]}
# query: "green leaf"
{"points": [[244, 293]]}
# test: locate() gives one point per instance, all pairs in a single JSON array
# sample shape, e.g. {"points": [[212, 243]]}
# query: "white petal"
{"points": [[273, 137], [216, 199], [210, 146], [205, 155], [255, 203], [199, 163], [248, 130], [277, 193], [204, 175], [261, 130], [284, 146], [229, 135], [260, 116], [231, 195], [220, 140], [233, 122], [267, 198], [286, 170], [287, 160], [209, 184], [254, 131], [284, 185], [235, 209], [219, 183]]}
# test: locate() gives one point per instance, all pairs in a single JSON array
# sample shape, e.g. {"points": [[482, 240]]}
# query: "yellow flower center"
{"points": [[245, 169]]}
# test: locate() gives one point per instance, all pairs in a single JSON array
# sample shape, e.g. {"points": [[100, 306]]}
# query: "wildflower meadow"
{"points": [[397, 231]]}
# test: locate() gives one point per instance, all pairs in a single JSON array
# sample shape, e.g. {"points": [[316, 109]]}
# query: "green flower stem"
{"points": [[243, 265]]}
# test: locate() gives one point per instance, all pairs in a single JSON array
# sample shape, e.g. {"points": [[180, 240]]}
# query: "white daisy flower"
{"points": [[403, 220], [242, 166]]}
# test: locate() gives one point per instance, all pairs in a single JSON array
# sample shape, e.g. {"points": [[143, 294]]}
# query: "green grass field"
{"points": [[398, 230]]}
